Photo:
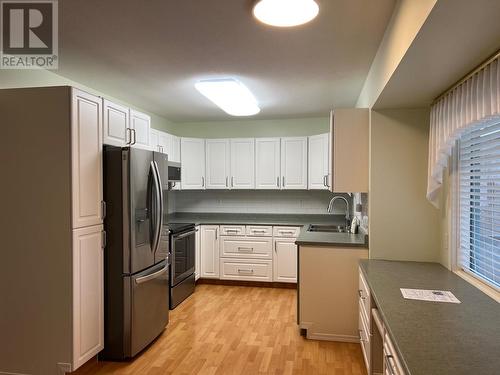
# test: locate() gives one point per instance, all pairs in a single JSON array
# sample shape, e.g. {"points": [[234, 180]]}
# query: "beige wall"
{"points": [[38, 78], [406, 21], [255, 128], [403, 224]]}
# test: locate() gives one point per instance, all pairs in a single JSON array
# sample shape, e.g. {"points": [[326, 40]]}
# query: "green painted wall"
{"points": [[254, 128], [37, 78]]}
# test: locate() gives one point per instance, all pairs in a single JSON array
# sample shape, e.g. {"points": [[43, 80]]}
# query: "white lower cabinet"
{"points": [[88, 294], [248, 270], [244, 247], [285, 260], [209, 251], [249, 252]]}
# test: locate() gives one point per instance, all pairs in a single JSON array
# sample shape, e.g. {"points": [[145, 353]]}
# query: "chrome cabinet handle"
{"points": [[324, 181], [232, 181], [283, 184], [227, 185], [245, 249], [244, 271], [103, 210], [286, 232], [360, 294], [202, 181], [128, 136], [104, 239], [133, 132], [216, 235], [278, 181], [361, 335], [388, 363]]}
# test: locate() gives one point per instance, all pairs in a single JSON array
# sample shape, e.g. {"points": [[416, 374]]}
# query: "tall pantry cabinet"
{"points": [[52, 266]]}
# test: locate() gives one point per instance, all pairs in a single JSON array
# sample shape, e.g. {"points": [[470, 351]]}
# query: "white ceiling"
{"points": [[150, 53], [455, 38]]}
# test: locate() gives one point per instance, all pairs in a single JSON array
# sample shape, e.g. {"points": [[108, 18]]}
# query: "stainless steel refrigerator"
{"points": [[136, 289]]}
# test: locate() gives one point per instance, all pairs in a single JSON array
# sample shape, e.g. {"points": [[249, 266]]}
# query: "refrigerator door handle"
{"points": [[155, 211], [160, 206], [152, 276]]}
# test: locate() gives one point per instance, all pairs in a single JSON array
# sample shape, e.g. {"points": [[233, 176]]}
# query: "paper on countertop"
{"points": [[429, 295]]}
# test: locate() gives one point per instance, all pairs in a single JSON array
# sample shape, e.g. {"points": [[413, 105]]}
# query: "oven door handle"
{"points": [[185, 234]]}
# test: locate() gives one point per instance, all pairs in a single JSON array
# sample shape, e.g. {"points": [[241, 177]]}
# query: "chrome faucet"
{"points": [[347, 211]]}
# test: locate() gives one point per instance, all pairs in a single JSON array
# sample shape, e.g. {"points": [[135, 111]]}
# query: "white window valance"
{"points": [[474, 102]]}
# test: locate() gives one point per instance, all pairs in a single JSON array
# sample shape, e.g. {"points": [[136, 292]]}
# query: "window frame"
{"points": [[454, 210]]}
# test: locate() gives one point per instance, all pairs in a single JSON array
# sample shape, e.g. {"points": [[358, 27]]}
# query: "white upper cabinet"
{"points": [[217, 163], [86, 159], [193, 163], [116, 130], [175, 150], [267, 163], [294, 163], [154, 140], [349, 131], [242, 163], [318, 162], [140, 124], [164, 142]]}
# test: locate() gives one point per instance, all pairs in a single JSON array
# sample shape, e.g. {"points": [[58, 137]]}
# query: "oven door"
{"points": [[183, 252]]}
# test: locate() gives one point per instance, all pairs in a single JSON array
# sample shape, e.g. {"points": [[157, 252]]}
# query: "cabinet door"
{"points": [[242, 163], [154, 140], [88, 294], [176, 149], [294, 163], [86, 159], [116, 130], [285, 260], [197, 254], [350, 137], [193, 164], [165, 143], [267, 163], [209, 251], [140, 124], [318, 162], [217, 159]]}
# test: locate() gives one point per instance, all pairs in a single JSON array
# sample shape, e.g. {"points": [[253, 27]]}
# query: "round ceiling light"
{"points": [[285, 13]]}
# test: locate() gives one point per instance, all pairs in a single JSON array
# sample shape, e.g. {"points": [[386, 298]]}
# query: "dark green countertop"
{"points": [[436, 338], [305, 238]]}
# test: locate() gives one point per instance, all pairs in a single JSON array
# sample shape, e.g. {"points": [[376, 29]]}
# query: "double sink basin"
{"points": [[327, 228]]}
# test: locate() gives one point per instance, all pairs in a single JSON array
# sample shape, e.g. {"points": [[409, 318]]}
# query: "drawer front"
{"points": [[364, 295], [235, 269], [364, 338], [232, 230], [286, 231], [392, 364], [260, 230], [247, 248]]}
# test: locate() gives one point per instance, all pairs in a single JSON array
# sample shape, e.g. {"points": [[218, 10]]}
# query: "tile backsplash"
{"points": [[255, 201]]}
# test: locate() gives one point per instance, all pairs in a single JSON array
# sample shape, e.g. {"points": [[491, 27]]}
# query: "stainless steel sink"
{"points": [[326, 228]]}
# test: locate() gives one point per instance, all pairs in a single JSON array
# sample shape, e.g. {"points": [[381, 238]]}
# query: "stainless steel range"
{"points": [[182, 253]]}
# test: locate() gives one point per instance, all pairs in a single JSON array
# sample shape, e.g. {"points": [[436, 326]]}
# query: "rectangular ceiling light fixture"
{"points": [[232, 96]]}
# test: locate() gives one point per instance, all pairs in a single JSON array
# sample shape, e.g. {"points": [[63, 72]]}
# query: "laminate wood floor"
{"points": [[237, 330]]}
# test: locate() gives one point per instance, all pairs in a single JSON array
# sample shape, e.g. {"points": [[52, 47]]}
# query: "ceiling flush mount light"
{"points": [[285, 13], [232, 96]]}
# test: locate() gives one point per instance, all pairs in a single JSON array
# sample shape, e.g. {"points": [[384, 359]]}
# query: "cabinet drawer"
{"points": [[234, 269], [260, 230], [364, 295], [248, 248], [364, 338], [286, 231], [391, 358], [232, 230]]}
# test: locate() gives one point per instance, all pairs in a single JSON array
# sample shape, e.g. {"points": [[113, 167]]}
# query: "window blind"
{"points": [[479, 192]]}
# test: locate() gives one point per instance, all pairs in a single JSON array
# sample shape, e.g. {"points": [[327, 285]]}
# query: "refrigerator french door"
{"points": [[137, 252]]}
